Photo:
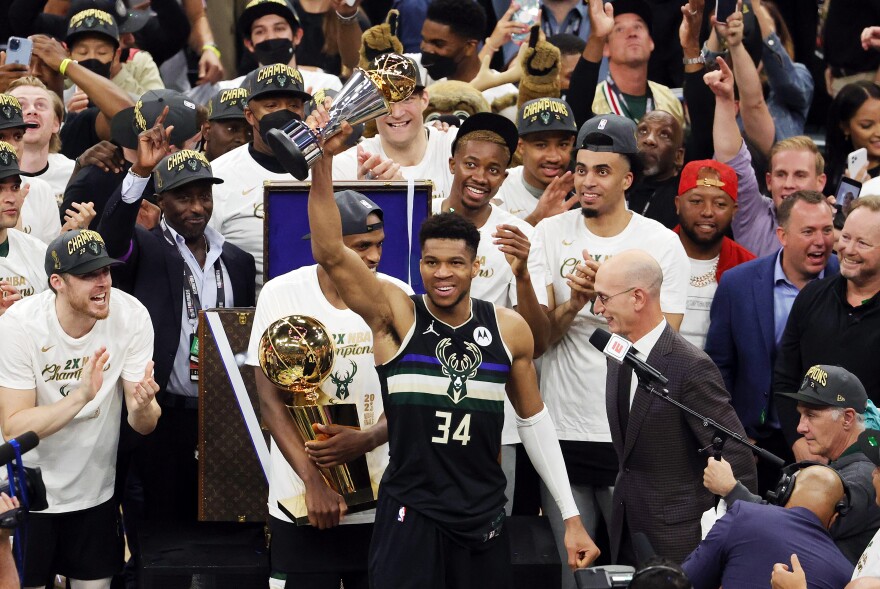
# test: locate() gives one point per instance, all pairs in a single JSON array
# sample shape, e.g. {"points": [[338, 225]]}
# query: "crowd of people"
{"points": [[701, 185]]}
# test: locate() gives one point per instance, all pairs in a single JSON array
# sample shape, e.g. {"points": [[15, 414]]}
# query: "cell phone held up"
{"points": [[18, 51], [723, 9], [527, 14]]}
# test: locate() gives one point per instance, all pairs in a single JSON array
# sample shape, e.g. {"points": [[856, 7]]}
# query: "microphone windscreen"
{"points": [[26, 441], [600, 339]]}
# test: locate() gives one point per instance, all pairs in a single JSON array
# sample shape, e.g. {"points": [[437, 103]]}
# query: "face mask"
{"points": [[276, 120], [274, 51], [97, 66], [438, 66]]}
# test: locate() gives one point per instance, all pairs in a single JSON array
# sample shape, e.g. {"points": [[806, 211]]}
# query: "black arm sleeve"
{"points": [[582, 90], [117, 227], [94, 185], [701, 108]]}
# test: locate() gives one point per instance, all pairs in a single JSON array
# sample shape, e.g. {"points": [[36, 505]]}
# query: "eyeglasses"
{"points": [[604, 299]]}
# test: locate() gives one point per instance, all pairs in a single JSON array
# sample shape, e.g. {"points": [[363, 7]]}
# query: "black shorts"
{"points": [[304, 549], [84, 545], [410, 550]]}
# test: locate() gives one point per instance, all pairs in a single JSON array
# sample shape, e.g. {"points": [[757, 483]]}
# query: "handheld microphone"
{"points": [[618, 348], [26, 442]]}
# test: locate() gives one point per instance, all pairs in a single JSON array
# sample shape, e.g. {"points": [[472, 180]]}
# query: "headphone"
{"points": [[785, 486]]}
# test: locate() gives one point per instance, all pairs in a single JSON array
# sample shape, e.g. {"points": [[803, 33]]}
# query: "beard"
{"points": [[82, 306], [700, 239], [590, 213]]}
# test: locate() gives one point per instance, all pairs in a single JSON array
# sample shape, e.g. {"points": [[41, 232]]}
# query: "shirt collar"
{"points": [[646, 343], [779, 273], [215, 239]]}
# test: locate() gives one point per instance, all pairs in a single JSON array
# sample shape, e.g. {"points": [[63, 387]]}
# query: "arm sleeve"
{"points": [[140, 345], [582, 89], [538, 435], [793, 85], [701, 108], [754, 224], [740, 493], [16, 366]]}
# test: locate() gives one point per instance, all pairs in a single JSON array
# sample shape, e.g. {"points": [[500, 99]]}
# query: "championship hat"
{"points": [[77, 252], [181, 168], [690, 177], [92, 20], [8, 161], [278, 78], [546, 114], [227, 104], [131, 122], [259, 8], [10, 113], [831, 386], [354, 208]]}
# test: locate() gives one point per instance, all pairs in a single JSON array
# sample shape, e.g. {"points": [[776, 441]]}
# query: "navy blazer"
{"points": [[741, 338], [153, 273]]}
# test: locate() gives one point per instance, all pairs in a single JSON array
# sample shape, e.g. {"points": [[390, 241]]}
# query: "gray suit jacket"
{"points": [[659, 489]]}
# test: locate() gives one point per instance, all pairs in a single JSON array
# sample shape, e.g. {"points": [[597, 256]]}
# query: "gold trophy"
{"points": [[296, 354], [368, 94]]}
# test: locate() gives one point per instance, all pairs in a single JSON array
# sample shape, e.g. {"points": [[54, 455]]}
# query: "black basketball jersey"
{"points": [[443, 395]]}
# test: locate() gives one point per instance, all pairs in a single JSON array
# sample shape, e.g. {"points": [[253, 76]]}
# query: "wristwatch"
{"points": [[700, 59]]}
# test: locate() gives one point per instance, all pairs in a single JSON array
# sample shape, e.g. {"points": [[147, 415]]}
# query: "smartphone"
{"points": [[855, 161], [18, 50], [527, 15], [723, 9], [847, 193]]}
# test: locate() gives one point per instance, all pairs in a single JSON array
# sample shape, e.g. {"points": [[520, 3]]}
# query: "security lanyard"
{"points": [[617, 101]]}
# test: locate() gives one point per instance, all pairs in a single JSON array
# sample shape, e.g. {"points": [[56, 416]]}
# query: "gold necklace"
{"points": [[705, 279]]}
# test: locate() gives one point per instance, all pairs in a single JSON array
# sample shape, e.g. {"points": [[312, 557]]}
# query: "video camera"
{"points": [[23, 482]]}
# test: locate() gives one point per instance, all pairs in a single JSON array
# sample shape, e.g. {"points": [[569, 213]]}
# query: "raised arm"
{"points": [[585, 76], [140, 400], [725, 131]]}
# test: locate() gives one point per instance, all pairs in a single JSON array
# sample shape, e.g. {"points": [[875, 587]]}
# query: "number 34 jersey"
{"points": [[444, 400]]}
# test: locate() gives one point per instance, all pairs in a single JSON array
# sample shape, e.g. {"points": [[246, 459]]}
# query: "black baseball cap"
{"points": [[487, 121], [278, 78], [10, 113], [869, 444], [92, 20], [131, 122], [77, 252], [259, 8], [609, 132], [181, 168], [227, 104], [831, 386], [354, 208], [638, 7], [8, 161], [546, 114], [133, 20]]}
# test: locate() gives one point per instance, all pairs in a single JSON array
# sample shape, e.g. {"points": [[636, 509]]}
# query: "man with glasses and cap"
{"points": [[175, 269], [833, 405], [69, 358], [317, 556]]}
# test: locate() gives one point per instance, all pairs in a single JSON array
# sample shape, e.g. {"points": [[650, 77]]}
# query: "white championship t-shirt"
{"points": [[79, 460], [701, 291], [352, 380], [514, 196], [434, 165], [39, 213], [23, 267], [573, 371], [57, 174], [238, 202]]}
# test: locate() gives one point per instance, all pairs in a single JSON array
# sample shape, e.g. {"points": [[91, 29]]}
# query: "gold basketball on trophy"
{"points": [[395, 75], [296, 353]]}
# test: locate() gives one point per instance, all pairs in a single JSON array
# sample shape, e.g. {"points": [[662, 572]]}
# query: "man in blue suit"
{"points": [[749, 313]]}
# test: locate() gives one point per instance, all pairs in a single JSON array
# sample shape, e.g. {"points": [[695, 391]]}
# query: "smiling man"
{"points": [[567, 249], [836, 320], [706, 204]]}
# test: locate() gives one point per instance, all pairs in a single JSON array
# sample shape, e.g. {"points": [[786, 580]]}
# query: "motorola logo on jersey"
{"points": [[482, 336]]}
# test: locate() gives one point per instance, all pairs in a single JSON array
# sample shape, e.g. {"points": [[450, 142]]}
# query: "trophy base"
{"points": [[289, 155], [295, 507]]}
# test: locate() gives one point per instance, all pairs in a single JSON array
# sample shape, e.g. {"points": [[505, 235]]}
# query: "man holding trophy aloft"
{"points": [[445, 362]]}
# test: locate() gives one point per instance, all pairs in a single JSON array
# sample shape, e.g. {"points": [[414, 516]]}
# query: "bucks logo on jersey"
{"points": [[342, 382], [458, 367]]}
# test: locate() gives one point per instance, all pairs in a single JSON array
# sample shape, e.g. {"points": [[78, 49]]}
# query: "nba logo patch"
{"points": [[401, 514], [602, 124]]}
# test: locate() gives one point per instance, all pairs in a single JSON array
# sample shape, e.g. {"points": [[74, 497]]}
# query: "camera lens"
{"points": [[14, 44]]}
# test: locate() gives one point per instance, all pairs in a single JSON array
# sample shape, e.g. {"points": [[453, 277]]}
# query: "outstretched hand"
{"points": [[720, 81], [153, 145]]}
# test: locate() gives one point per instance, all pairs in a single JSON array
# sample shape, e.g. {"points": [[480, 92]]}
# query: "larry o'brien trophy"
{"points": [[366, 95], [296, 354]]}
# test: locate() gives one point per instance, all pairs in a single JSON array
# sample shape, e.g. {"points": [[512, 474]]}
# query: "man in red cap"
{"points": [[706, 203]]}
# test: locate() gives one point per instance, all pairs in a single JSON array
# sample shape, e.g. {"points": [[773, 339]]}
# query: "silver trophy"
{"points": [[368, 94]]}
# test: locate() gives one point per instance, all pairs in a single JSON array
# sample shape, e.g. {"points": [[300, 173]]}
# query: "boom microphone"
{"points": [[618, 348], [26, 442]]}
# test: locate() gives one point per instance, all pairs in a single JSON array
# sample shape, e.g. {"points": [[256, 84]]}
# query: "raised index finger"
{"points": [[160, 120]]}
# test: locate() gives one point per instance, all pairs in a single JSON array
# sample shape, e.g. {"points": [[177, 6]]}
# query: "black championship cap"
{"points": [[180, 168], [487, 121], [831, 386], [608, 132], [259, 8], [77, 252], [92, 20], [227, 104], [278, 78], [546, 114], [638, 7], [8, 161], [354, 208], [131, 122], [10, 113], [869, 444]]}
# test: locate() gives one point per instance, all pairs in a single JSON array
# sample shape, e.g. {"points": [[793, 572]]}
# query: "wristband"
{"points": [[136, 175], [62, 69], [212, 48], [347, 19], [700, 59]]}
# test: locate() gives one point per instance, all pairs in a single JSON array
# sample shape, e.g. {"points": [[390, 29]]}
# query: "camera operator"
{"points": [[8, 574]]}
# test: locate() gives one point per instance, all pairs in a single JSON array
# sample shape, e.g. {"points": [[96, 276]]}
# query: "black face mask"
{"points": [[276, 120], [438, 66], [274, 51], [97, 66]]}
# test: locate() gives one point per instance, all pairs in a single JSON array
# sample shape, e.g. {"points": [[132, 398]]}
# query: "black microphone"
{"points": [[26, 442], [618, 348]]}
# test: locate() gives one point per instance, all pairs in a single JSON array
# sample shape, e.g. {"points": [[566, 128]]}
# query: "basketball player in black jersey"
{"points": [[445, 361]]}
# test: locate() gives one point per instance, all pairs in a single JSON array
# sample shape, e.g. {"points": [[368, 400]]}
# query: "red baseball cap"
{"points": [[690, 177]]}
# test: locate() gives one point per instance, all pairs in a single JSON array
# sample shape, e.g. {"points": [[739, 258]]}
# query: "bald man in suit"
{"points": [[659, 490]]}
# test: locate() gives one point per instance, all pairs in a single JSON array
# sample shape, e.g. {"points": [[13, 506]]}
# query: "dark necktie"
{"points": [[624, 383]]}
